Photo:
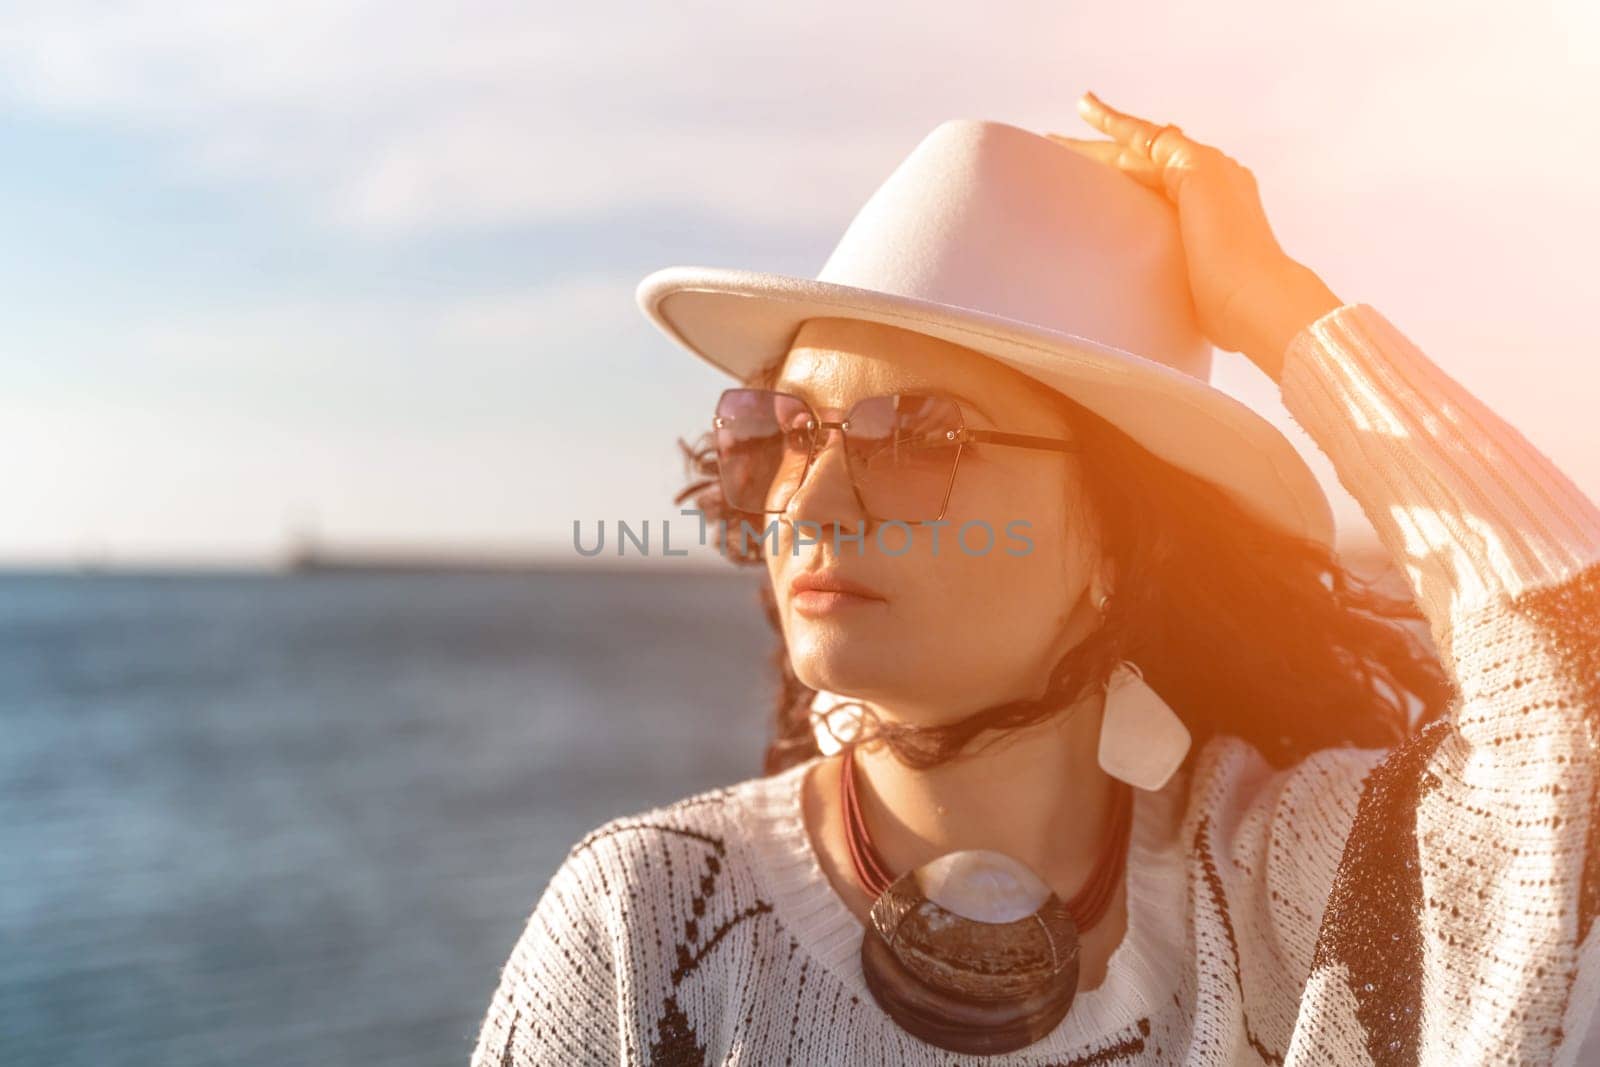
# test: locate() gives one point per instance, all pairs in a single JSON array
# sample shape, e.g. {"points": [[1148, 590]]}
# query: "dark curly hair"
{"points": [[1242, 628]]}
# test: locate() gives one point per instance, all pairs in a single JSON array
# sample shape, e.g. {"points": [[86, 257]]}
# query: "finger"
{"points": [[1112, 152], [1094, 148], [1128, 129], [1132, 163]]}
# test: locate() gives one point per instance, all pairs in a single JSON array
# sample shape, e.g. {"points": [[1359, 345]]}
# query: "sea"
{"points": [[302, 818]]}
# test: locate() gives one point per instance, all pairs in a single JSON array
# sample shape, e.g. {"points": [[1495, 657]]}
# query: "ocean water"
{"points": [[302, 819]]}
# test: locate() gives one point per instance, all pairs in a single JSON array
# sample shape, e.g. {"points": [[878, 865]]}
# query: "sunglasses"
{"points": [[901, 450]]}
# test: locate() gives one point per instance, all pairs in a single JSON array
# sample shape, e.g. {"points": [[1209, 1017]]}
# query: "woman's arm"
{"points": [[1466, 894], [1460, 922], [557, 998], [1476, 516]]}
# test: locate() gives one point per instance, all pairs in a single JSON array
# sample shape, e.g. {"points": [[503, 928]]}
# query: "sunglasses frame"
{"points": [[963, 436]]}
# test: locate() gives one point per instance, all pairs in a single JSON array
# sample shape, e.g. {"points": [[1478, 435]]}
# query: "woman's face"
{"points": [[952, 630]]}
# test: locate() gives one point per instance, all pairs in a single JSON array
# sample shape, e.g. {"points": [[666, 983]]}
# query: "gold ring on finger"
{"points": [[1150, 142]]}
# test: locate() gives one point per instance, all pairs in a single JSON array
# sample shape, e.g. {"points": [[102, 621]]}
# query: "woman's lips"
{"points": [[821, 593], [825, 601]]}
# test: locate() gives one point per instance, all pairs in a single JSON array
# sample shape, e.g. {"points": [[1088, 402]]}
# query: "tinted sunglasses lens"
{"points": [[902, 453], [763, 441]]}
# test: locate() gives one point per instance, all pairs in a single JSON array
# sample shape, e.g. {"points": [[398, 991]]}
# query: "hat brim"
{"points": [[739, 321]]}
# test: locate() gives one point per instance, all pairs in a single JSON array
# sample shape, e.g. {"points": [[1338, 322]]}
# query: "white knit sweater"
{"points": [[1432, 904]]}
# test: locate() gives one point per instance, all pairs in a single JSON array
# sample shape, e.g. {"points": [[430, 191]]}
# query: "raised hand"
{"points": [[1249, 295]]}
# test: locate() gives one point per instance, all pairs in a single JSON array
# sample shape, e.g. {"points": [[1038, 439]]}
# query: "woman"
{"points": [[1127, 768]]}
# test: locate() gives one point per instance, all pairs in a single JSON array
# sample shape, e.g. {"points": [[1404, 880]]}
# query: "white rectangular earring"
{"points": [[1142, 740]]}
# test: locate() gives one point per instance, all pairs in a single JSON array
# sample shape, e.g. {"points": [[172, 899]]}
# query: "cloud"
{"points": [[397, 118], [568, 311], [403, 118], [440, 364]]}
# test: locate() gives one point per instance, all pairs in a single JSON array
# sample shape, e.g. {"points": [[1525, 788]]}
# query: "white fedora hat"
{"points": [[1004, 241]]}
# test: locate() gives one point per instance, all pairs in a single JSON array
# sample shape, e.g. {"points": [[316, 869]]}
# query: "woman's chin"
{"points": [[872, 673]]}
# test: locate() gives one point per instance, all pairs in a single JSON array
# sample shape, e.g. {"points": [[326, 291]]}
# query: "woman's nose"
{"points": [[826, 494]]}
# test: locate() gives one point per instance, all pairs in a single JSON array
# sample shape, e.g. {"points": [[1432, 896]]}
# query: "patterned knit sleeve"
{"points": [[557, 999], [1458, 925]]}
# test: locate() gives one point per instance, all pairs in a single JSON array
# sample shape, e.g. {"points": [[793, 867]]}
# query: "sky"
{"points": [[366, 271]]}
